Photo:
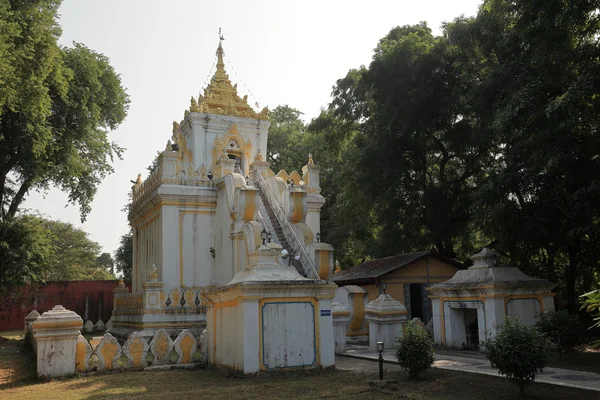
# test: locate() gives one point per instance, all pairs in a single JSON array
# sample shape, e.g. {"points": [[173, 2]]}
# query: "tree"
{"points": [[25, 249], [538, 101], [56, 106], [106, 261], [420, 153], [124, 255], [74, 256]]}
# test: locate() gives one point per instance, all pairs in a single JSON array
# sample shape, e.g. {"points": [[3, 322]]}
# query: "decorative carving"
{"points": [[264, 114], [161, 347], [202, 172], [83, 352], [185, 346], [258, 156], [194, 105], [135, 349], [153, 274], [295, 177], [221, 97], [175, 297], [283, 175], [121, 284], [189, 296], [169, 146], [108, 351]]}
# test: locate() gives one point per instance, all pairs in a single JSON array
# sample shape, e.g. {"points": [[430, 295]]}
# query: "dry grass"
{"points": [[17, 382]]}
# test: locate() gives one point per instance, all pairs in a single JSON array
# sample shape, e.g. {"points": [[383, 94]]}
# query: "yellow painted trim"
{"points": [[358, 311], [538, 297], [442, 312], [386, 312], [323, 264], [362, 332], [216, 307], [250, 205], [315, 305], [181, 214], [161, 325], [298, 209], [186, 204], [57, 324]]}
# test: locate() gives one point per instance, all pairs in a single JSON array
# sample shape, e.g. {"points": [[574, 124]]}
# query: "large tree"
{"points": [[420, 153], [124, 255], [539, 100], [74, 256], [56, 106]]}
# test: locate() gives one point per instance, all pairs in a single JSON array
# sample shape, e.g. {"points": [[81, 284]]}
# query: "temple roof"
{"points": [[221, 97], [382, 266]]}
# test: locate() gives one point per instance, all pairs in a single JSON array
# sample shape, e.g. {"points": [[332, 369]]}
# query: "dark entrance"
{"points": [[416, 301], [238, 162]]}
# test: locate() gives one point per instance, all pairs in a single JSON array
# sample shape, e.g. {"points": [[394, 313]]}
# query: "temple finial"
{"points": [[220, 53]]}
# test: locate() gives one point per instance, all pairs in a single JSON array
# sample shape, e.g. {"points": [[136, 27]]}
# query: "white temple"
{"points": [[200, 218]]}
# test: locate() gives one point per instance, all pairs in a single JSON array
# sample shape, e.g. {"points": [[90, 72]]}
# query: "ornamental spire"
{"points": [[220, 54], [221, 97]]}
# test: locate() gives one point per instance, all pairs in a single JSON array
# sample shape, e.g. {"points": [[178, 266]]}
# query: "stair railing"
{"points": [[308, 265]]}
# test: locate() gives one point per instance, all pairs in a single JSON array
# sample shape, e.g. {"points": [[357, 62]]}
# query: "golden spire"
{"points": [[221, 97]]}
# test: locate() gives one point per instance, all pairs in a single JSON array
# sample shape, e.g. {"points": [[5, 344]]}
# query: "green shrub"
{"points": [[592, 305], [415, 350], [518, 352], [560, 328]]}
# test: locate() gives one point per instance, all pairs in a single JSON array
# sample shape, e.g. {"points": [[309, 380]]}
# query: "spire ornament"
{"points": [[221, 96]]}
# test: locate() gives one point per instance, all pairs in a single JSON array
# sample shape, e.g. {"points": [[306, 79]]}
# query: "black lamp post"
{"points": [[263, 236], [269, 237], [318, 235], [209, 175], [380, 350]]}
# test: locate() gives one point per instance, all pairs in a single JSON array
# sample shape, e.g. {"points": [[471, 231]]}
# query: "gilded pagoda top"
{"points": [[221, 97]]}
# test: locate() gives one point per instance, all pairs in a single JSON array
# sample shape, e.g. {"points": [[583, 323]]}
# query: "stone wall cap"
{"points": [[385, 305], [58, 317], [510, 277], [32, 315]]}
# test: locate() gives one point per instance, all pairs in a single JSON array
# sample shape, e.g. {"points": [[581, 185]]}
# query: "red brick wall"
{"points": [[71, 295]]}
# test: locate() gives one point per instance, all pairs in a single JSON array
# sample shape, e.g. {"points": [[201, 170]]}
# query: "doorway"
{"points": [[416, 301]]}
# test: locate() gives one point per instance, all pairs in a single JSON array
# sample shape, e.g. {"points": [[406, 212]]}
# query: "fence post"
{"points": [[55, 334]]}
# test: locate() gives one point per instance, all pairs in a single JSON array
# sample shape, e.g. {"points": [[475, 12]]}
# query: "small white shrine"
{"points": [[203, 223], [474, 303]]}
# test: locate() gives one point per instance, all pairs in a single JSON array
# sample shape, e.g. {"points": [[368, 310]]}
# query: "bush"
{"points": [[518, 352], [415, 350], [560, 327]]}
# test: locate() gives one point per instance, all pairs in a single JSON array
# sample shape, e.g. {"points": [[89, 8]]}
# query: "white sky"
{"points": [[279, 52]]}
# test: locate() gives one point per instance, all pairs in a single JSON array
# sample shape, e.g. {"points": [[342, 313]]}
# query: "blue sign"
{"points": [[325, 313]]}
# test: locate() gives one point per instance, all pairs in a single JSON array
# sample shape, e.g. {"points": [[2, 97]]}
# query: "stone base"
{"points": [[149, 324], [359, 340]]}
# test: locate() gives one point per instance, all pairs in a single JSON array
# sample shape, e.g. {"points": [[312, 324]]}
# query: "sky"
{"points": [[279, 52]]}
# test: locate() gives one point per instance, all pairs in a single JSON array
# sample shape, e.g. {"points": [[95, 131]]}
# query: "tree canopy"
{"points": [[485, 135], [57, 105]]}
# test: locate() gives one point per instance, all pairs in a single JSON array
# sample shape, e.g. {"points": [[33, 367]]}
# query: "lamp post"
{"points": [[263, 236], [318, 235], [380, 347], [210, 175], [269, 237]]}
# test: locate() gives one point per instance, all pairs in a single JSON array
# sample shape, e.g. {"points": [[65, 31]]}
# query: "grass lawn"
{"points": [[17, 381]]}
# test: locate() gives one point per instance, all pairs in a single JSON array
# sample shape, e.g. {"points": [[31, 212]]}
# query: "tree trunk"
{"points": [[571, 279]]}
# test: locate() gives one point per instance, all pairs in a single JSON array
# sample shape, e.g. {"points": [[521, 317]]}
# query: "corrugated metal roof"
{"points": [[381, 266]]}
